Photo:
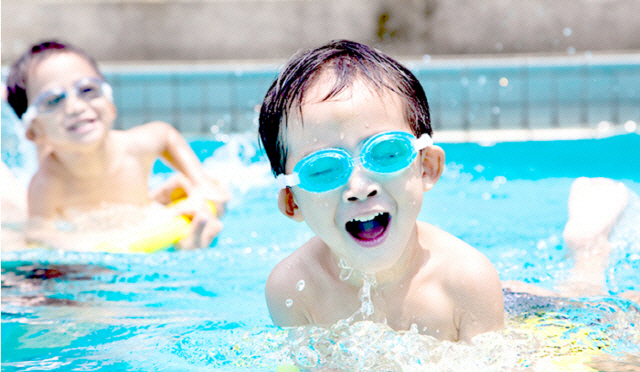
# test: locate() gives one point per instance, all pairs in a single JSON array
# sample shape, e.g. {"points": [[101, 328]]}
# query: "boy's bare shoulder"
{"points": [[288, 304], [459, 262], [301, 264], [471, 281], [149, 137]]}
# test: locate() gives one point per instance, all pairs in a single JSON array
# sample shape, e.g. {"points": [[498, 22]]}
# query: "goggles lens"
{"points": [[388, 152], [328, 169], [324, 170], [86, 89]]}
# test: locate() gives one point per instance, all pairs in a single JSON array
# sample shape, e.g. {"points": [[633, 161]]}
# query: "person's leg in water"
{"points": [[595, 204], [594, 207]]}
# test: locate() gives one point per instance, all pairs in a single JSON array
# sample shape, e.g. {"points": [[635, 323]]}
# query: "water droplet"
{"points": [[346, 269], [289, 302], [414, 328], [630, 126], [504, 82], [306, 357], [567, 31], [300, 285], [345, 274], [604, 126]]}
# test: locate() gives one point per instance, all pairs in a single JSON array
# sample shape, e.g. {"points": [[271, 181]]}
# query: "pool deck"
{"points": [[492, 136]]}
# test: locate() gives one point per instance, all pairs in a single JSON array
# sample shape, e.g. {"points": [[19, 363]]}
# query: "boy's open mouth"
{"points": [[81, 126], [369, 228]]}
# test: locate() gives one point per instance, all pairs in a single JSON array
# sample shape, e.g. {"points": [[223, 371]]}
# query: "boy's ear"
{"points": [[432, 166], [288, 206], [30, 134]]}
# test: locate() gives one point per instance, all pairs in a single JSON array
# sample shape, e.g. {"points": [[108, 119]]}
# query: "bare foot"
{"points": [[594, 206]]}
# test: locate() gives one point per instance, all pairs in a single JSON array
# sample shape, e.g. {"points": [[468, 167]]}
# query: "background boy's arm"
{"points": [[165, 141], [173, 148]]}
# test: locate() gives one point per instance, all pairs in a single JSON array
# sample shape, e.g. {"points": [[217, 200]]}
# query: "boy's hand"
{"points": [[205, 225], [179, 186]]}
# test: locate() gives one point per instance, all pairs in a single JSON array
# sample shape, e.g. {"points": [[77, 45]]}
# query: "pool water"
{"points": [[205, 309]]}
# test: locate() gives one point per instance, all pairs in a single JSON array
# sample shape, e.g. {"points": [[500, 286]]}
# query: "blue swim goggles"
{"points": [[327, 169]]}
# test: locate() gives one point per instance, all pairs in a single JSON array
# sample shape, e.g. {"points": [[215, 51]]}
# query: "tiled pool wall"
{"points": [[462, 94]]}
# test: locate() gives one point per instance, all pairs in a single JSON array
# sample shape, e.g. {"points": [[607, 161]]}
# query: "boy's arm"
{"points": [[173, 148], [164, 140], [43, 195], [479, 297]]}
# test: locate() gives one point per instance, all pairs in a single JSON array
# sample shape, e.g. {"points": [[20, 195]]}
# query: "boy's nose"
{"points": [[74, 104], [360, 186]]}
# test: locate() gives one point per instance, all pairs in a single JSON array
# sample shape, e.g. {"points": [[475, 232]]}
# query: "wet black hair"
{"points": [[347, 61], [19, 72]]}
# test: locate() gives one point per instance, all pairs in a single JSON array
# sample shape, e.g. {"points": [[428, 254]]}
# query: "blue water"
{"points": [[205, 309]]}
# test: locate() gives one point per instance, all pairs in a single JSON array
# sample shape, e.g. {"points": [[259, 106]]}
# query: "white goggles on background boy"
{"points": [[327, 169], [86, 89]]}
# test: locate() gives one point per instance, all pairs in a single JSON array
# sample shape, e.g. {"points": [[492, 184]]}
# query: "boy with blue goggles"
{"points": [[370, 258], [386, 153]]}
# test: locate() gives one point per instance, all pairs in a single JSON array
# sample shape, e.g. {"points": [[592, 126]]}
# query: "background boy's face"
{"points": [[346, 121], [76, 122]]}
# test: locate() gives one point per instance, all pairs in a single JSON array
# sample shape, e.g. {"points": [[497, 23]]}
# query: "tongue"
{"points": [[369, 230]]}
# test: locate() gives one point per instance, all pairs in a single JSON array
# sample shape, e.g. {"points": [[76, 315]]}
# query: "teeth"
{"points": [[368, 217]]}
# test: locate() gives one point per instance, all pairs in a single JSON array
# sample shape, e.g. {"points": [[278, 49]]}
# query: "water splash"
{"points": [[366, 309], [541, 334], [369, 283], [238, 164], [345, 270]]}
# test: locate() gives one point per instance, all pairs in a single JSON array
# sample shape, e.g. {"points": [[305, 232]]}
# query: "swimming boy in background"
{"points": [[347, 131], [85, 165]]}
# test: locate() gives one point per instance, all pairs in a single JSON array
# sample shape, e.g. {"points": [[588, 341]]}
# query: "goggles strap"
{"points": [[107, 92], [423, 142], [287, 180]]}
